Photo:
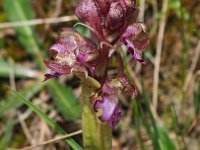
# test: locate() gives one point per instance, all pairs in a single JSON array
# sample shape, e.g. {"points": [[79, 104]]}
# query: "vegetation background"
{"points": [[166, 113]]}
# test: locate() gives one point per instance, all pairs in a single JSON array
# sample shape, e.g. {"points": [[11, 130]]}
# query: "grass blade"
{"points": [[160, 138], [21, 10], [10, 102], [49, 121], [66, 101], [19, 71], [4, 141], [165, 141]]}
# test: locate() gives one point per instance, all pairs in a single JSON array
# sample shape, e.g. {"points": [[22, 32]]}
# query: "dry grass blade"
{"points": [[158, 53], [192, 68], [51, 141], [37, 22], [142, 10]]}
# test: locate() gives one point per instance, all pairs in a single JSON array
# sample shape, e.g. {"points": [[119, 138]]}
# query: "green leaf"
{"points": [[165, 141], [21, 10], [10, 102], [67, 103], [83, 31], [49, 121], [160, 137], [197, 98], [4, 140], [19, 71]]}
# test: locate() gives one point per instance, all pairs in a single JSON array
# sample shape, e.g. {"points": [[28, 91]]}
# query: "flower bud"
{"points": [[87, 12]]}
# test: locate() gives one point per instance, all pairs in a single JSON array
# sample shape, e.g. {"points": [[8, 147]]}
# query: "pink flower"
{"points": [[71, 52]]}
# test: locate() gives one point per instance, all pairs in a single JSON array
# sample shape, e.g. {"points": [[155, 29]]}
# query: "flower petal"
{"points": [[87, 12], [111, 112], [57, 67], [88, 54], [103, 6], [115, 117], [132, 50], [116, 16], [51, 75], [127, 87], [109, 87], [137, 35], [70, 39]]}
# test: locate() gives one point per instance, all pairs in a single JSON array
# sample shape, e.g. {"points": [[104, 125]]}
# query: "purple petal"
{"points": [[59, 48], [87, 12], [88, 54], [129, 6], [63, 56], [103, 6], [140, 45], [70, 39], [59, 68], [111, 112], [115, 117], [51, 75], [132, 50], [137, 35], [132, 31], [116, 16], [109, 88], [127, 87]]}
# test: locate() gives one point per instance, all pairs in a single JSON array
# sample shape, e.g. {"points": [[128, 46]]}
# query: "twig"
{"points": [[12, 73], [158, 53], [37, 22], [52, 140], [25, 128], [58, 8], [135, 79], [192, 67]]}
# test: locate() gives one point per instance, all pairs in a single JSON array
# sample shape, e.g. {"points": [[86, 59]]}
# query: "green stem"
{"points": [[96, 134]]}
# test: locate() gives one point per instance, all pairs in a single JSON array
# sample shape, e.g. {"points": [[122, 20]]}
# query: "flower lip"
{"points": [[111, 111]]}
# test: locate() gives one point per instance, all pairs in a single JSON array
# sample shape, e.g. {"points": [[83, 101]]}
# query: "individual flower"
{"points": [[135, 38], [109, 103], [71, 52]]}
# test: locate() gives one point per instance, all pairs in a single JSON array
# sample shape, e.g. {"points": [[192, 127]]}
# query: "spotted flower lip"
{"points": [[111, 111]]}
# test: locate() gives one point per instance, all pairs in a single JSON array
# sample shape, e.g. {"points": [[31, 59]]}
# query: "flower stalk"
{"points": [[97, 135]]}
